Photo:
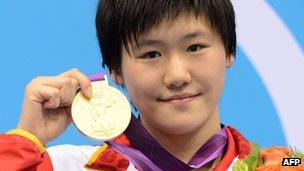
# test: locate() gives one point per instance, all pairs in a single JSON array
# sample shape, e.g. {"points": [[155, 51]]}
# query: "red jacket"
{"points": [[20, 153]]}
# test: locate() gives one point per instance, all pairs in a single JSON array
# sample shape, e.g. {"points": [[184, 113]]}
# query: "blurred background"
{"points": [[263, 95]]}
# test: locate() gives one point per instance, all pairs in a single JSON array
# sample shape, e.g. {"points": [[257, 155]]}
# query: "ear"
{"points": [[117, 77], [230, 61]]}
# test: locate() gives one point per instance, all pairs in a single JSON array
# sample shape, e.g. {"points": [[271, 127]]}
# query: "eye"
{"points": [[195, 48], [152, 55]]}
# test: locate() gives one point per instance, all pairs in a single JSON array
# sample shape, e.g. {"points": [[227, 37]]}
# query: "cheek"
{"points": [[212, 78], [141, 87], [217, 82]]}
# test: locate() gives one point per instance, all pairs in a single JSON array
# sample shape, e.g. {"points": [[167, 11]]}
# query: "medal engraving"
{"points": [[103, 117]]}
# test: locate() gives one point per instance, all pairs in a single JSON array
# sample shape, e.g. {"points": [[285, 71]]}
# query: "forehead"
{"points": [[182, 21]]}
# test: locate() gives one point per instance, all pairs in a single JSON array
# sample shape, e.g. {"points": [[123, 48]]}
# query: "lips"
{"points": [[180, 99]]}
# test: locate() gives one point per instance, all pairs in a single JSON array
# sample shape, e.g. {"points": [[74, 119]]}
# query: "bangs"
{"points": [[152, 14]]}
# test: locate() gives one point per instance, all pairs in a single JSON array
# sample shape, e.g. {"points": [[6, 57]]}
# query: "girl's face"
{"points": [[175, 75]]}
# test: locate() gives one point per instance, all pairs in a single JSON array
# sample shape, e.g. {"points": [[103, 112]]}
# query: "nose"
{"points": [[177, 72]]}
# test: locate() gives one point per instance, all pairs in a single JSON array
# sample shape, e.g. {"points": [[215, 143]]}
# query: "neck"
{"points": [[184, 146]]}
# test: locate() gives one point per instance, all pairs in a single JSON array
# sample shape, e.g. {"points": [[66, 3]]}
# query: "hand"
{"points": [[46, 110]]}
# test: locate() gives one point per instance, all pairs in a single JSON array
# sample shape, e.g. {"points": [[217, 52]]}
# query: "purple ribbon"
{"points": [[140, 161], [147, 154], [96, 77], [210, 150]]}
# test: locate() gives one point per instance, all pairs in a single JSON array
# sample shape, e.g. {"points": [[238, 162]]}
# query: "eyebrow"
{"points": [[194, 34], [149, 42], [155, 42]]}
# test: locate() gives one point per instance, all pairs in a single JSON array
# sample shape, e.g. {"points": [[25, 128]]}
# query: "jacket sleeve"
{"points": [[21, 150]]}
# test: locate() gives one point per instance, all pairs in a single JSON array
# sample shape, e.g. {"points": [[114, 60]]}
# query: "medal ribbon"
{"points": [[148, 154], [140, 161], [97, 77]]}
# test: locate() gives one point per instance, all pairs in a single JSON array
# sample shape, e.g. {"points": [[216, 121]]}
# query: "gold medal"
{"points": [[103, 117]]}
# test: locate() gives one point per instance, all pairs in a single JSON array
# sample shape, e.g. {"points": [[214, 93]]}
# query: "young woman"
{"points": [[172, 57]]}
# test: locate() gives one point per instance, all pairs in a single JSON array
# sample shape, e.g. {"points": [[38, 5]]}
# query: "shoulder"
{"points": [[72, 157]]}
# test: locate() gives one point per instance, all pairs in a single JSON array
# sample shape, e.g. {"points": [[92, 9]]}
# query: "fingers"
{"points": [[56, 91], [55, 81], [83, 80], [68, 92], [51, 96]]}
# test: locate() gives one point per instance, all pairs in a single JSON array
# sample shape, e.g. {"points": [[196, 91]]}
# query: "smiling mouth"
{"points": [[180, 99]]}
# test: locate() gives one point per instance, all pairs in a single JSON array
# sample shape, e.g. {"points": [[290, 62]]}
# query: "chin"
{"points": [[176, 122], [178, 128]]}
